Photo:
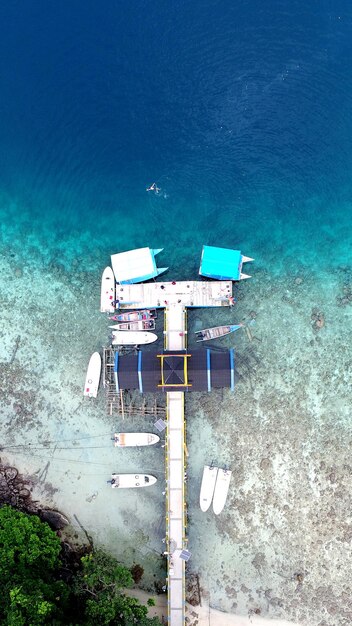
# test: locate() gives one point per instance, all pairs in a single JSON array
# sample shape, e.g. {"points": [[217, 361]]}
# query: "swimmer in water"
{"points": [[154, 188]]}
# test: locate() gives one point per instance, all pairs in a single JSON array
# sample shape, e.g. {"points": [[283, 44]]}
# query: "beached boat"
{"points": [[131, 440], [134, 316], [207, 487], [221, 490], [216, 332], [132, 338], [140, 325], [107, 295], [130, 481], [93, 376]]}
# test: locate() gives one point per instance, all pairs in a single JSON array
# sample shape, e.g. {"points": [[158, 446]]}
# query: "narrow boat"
{"points": [[140, 325], [132, 440], [132, 338], [93, 376], [216, 332], [107, 295], [130, 481], [207, 487], [134, 316], [221, 490]]}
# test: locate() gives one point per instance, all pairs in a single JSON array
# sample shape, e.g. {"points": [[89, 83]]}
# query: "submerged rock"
{"points": [[55, 519]]}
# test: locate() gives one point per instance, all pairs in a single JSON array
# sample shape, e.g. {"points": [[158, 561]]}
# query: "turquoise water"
{"points": [[241, 114]]}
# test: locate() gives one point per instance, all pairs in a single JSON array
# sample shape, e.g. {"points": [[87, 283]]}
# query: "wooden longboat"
{"points": [[139, 325], [135, 316], [216, 332]]}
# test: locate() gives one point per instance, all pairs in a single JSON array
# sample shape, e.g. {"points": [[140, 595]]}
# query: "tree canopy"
{"points": [[34, 593]]}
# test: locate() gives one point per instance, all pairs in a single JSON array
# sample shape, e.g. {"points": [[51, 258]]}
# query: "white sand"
{"points": [[203, 615]]}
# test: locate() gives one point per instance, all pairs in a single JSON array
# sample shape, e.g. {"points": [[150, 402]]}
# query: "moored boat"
{"points": [[131, 440], [216, 332], [93, 376], [207, 487], [131, 481], [132, 338], [221, 490], [140, 325], [107, 294], [133, 316]]}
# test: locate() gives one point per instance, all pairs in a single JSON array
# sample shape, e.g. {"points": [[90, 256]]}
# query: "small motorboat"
{"points": [[107, 294], [135, 316], [93, 376], [131, 440], [132, 338], [131, 481], [140, 325], [221, 490], [216, 332], [207, 487]]}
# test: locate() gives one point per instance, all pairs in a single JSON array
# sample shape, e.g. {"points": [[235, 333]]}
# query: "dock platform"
{"points": [[199, 293]]}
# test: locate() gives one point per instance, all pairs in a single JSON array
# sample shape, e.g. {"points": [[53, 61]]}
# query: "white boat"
{"points": [[221, 490], [130, 481], [131, 440], [93, 376], [141, 325], [132, 338], [107, 295], [207, 487]]}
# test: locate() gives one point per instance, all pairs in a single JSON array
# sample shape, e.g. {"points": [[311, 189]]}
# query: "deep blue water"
{"points": [[241, 111]]}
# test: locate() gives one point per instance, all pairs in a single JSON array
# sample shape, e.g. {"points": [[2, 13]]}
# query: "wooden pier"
{"points": [[199, 293]]}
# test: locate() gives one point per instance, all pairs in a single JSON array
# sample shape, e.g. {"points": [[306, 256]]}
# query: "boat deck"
{"points": [[198, 293]]}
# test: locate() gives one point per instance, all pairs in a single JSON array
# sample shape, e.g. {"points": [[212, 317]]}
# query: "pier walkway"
{"points": [[175, 338]]}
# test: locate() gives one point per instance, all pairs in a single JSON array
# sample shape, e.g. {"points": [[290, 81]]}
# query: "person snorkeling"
{"points": [[154, 188]]}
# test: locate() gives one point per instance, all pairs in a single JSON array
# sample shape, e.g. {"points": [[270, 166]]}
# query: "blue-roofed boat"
{"points": [[136, 266], [216, 332], [223, 263]]}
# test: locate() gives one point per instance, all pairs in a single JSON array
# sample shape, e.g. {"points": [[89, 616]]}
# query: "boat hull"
{"points": [[131, 440], [137, 326], [132, 338], [134, 316], [221, 490], [107, 294], [207, 487], [93, 376], [132, 481], [216, 332]]}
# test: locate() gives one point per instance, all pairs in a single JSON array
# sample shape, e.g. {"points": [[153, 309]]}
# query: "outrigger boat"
{"points": [[132, 440], [208, 485], [221, 490], [134, 316], [216, 332], [130, 481], [140, 325], [132, 338]]}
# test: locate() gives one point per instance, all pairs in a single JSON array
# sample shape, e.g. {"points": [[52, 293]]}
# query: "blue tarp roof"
{"points": [[221, 263]]}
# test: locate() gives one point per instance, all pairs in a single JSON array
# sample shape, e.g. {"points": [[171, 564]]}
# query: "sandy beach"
{"points": [[278, 551]]}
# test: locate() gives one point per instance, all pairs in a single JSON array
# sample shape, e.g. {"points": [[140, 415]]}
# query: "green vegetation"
{"points": [[34, 591]]}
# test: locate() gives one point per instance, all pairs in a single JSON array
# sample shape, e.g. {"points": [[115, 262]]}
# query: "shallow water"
{"points": [[241, 114]]}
